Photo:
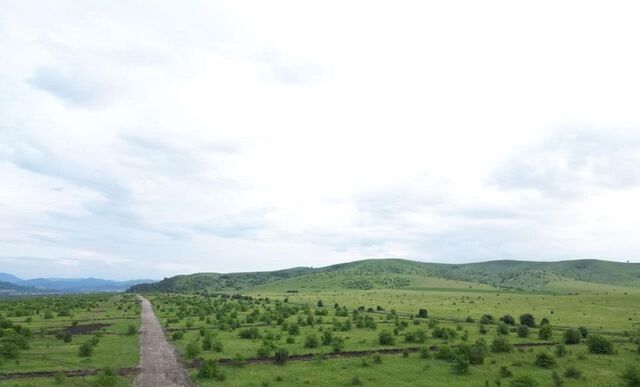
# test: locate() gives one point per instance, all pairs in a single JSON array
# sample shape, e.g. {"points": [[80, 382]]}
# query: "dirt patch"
{"points": [[85, 329], [71, 373]]}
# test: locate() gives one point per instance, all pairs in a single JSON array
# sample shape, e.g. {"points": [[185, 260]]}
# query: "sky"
{"points": [[143, 139]]}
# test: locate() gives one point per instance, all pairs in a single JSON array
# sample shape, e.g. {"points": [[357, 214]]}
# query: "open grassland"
{"points": [[345, 338]]}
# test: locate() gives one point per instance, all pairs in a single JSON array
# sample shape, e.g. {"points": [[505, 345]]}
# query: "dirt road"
{"points": [[158, 360]]}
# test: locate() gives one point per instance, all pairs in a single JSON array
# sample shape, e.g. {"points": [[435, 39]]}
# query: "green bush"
{"points": [[505, 372], [572, 336], [508, 319], [192, 350], [425, 352], [523, 331], [460, 366], [572, 372], [177, 335], [545, 360], [386, 338], [560, 350], [131, 330], [528, 320], [501, 344], [545, 332], [209, 370], [281, 356], [85, 350], [599, 344], [631, 376], [105, 378], [311, 341]]}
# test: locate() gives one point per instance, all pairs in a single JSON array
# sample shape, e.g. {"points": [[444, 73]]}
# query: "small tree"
{"points": [[545, 332], [572, 336], [85, 350], [545, 360], [501, 344], [599, 344], [631, 376], [386, 338], [193, 349], [508, 319], [528, 320], [281, 356], [523, 331], [311, 341]]}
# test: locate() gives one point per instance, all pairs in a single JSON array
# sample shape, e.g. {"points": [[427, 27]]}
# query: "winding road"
{"points": [[159, 363]]}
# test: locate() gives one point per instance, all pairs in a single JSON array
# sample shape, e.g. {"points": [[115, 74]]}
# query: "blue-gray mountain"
{"points": [[9, 282]]}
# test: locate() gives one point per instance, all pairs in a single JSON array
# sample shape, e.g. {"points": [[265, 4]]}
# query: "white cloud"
{"points": [[165, 137]]}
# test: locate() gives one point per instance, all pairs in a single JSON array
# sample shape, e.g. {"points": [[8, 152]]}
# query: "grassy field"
{"points": [[62, 333]]}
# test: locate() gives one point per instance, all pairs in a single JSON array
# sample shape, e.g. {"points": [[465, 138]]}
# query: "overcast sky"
{"points": [[141, 139]]}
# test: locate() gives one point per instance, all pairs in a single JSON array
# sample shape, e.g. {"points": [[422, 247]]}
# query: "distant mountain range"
{"points": [[563, 276], [10, 284]]}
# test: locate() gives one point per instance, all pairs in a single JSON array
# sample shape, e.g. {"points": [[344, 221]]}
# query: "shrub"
{"points": [[545, 360], [291, 339], [177, 335], [584, 332], [523, 331], [311, 341], [386, 338], [209, 370], [207, 343], [557, 379], [560, 350], [217, 346], [505, 372], [327, 337], [572, 336], [460, 366], [106, 378], [60, 378], [418, 336], [85, 350], [528, 320], [445, 353], [486, 319], [131, 330], [631, 376], [523, 381], [501, 344], [572, 372], [423, 313], [545, 332], [294, 329], [425, 352], [338, 344], [508, 319], [67, 337], [502, 329], [193, 349], [281, 356], [250, 333], [355, 381], [599, 344]]}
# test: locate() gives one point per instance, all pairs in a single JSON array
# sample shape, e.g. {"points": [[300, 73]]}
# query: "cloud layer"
{"points": [[150, 138]]}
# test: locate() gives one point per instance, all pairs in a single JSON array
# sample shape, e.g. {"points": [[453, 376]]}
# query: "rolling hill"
{"points": [[405, 274]]}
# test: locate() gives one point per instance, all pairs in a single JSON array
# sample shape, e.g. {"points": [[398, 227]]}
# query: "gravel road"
{"points": [[159, 363]]}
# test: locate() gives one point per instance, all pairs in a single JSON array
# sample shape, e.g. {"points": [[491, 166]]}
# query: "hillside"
{"points": [[405, 274]]}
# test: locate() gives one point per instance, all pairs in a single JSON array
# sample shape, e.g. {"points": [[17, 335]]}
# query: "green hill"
{"points": [[405, 274]]}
